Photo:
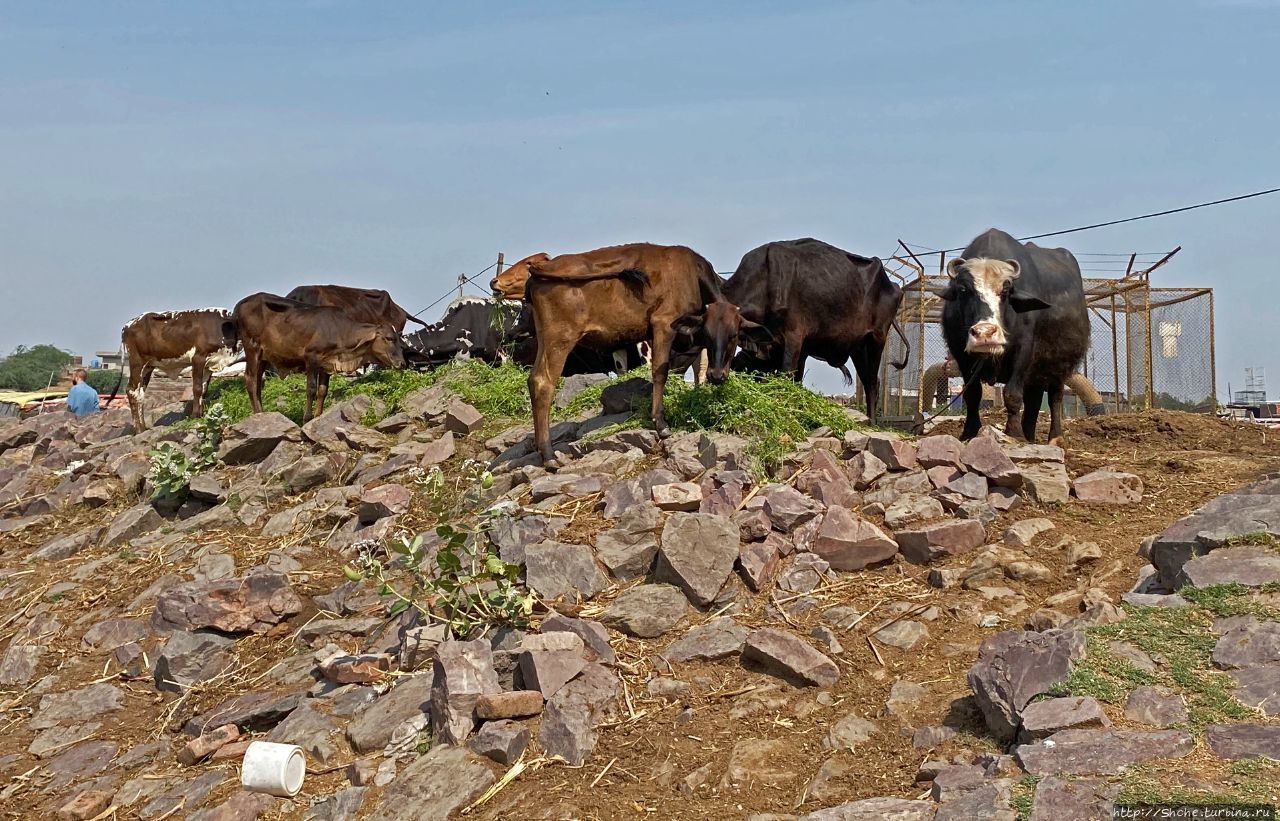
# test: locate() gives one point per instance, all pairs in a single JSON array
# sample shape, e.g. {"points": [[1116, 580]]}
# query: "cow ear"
{"points": [[1023, 304], [948, 293], [1017, 269], [954, 266], [755, 332], [690, 323]]}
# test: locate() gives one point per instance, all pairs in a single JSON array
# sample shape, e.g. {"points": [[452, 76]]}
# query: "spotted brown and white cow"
{"points": [[1015, 315], [203, 340]]}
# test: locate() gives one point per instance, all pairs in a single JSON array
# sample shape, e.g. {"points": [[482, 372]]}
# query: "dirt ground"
{"points": [[668, 756]]}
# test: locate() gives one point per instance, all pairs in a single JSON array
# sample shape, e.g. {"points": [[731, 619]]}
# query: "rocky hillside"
{"points": [[883, 628]]}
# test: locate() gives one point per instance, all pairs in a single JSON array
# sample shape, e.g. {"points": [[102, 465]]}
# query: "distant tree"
{"points": [[103, 381], [29, 369]]}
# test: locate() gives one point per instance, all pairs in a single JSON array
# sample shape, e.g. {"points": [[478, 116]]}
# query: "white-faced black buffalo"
{"points": [[622, 295], [203, 340], [817, 301], [318, 340], [1015, 315]]}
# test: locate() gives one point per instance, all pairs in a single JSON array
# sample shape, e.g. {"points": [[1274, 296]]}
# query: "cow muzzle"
{"points": [[718, 376], [986, 337]]}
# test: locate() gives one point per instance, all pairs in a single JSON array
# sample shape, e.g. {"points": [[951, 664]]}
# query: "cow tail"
{"points": [[905, 344], [411, 318]]}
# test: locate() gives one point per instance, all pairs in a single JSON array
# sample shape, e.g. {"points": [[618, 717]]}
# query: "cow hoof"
{"points": [[1058, 442], [551, 465]]}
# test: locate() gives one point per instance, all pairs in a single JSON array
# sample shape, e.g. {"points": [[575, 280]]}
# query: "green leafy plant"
{"points": [[465, 584], [171, 469]]}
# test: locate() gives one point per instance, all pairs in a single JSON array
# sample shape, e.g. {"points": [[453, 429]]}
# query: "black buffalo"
{"points": [[1015, 315], [817, 301]]}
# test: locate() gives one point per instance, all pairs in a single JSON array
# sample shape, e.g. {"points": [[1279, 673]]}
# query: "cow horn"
{"points": [[954, 266]]}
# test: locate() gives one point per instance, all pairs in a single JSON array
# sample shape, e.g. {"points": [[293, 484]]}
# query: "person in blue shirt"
{"points": [[82, 400]]}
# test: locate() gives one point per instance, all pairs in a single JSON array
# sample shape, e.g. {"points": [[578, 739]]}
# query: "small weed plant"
{"points": [[459, 579], [171, 469]]}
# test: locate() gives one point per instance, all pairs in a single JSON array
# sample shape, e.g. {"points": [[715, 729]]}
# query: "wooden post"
{"points": [[1213, 360], [1151, 387], [498, 268], [1115, 353]]}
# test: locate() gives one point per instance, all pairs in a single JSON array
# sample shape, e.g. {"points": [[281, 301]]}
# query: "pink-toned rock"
{"points": [[230, 752], [1109, 487], [969, 485], [848, 542], [518, 704], [983, 455], [1047, 482], [86, 805], [942, 475], [366, 669], [686, 496], [864, 468], [940, 450], [837, 493], [383, 501], [897, 454], [759, 563], [206, 744], [1003, 499], [947, 538], [753, 524]]}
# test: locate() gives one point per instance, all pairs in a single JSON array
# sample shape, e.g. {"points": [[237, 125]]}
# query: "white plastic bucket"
{"points": [[274, 769]]}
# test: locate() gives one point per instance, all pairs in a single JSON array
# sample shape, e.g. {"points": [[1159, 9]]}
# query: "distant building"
{"points": [[111, 360]]}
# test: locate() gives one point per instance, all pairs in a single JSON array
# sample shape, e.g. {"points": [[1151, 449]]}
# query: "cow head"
{"points": [[510, 283], [383, 345], [719, 328], [983, 298]]}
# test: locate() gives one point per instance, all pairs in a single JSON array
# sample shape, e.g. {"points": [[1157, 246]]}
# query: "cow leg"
{"points": [[197, 386], [322, 391], [136, 392], [972, 404], [547, 367], [793, 356], [1055, 415], [1032, 397], [663, 339], [1013, 407], [866, 361], [253, 373], [700, 368]]}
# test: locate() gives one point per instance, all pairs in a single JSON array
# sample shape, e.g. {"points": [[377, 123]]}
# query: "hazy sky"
{"points": [[157, 155]]}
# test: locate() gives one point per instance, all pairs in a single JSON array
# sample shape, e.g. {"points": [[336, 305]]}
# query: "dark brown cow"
{"points": [[318, 340], [619, 296], [371, 305], [172, 341]]}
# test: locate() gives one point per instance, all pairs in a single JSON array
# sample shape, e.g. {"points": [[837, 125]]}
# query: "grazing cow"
{"points": [[510, 283], [473, 325], [1015, 314], [371, 305], [622, 295], [818, 301], [318, 340], [173, 341]]}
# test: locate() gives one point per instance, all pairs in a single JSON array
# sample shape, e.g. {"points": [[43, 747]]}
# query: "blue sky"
{"points": [[158, 155]]}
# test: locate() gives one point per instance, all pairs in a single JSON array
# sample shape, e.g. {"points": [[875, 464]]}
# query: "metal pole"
{"points": [[1213, 360], [1151, 366], [1115, 353], [498, 270]]}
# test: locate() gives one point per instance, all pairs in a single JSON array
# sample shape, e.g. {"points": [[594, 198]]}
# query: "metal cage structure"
{"points": [[1150, 347]]}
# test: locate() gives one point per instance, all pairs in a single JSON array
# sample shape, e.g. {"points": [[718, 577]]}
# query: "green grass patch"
{"points": [[1182, 638], [1022, 796], [1258, 537], [1254, 783], [1231, 600]]}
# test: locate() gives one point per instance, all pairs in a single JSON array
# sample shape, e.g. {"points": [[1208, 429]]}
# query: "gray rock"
{"points": [[1155, 706], [956, 780], [463, 671], [556, 571], [1014, 667], [85, 703], [513, 536], [864, 469], [254, 438], [982, 455], [570, 717], [1109, 487], [621, 497], [759, 562], [903, 634], [988, 801], [880, 809], [1047, 482], [1237, 741], [782, 654], [897, 454], [1249, 565], [697, 554], [947, 538], [848, 542], [254, 603], [939, 450], [1086, 799], [64, 547], [788, 508], [373, 726], [719, 638], [1249, 645], [1101, 752], [344, 805], [593, 634], [1254, 509], [189, 658], [311, 730], [255, 712], [1023, 533], [805, 573], [628, 551], [502, 741], [434, 785], [130, 524], [848, 733], [646, 611], [1042, 719], [549, 670], [1259, 687], [909, 509]]}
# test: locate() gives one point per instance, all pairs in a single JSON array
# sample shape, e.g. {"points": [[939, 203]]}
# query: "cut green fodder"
{"points": [[1182, 639]]}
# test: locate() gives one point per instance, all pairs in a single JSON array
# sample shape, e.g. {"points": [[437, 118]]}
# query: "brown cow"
{"points": [[172, 341], [623, 295], [318, 340], [371, 305], [510, 283]]}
